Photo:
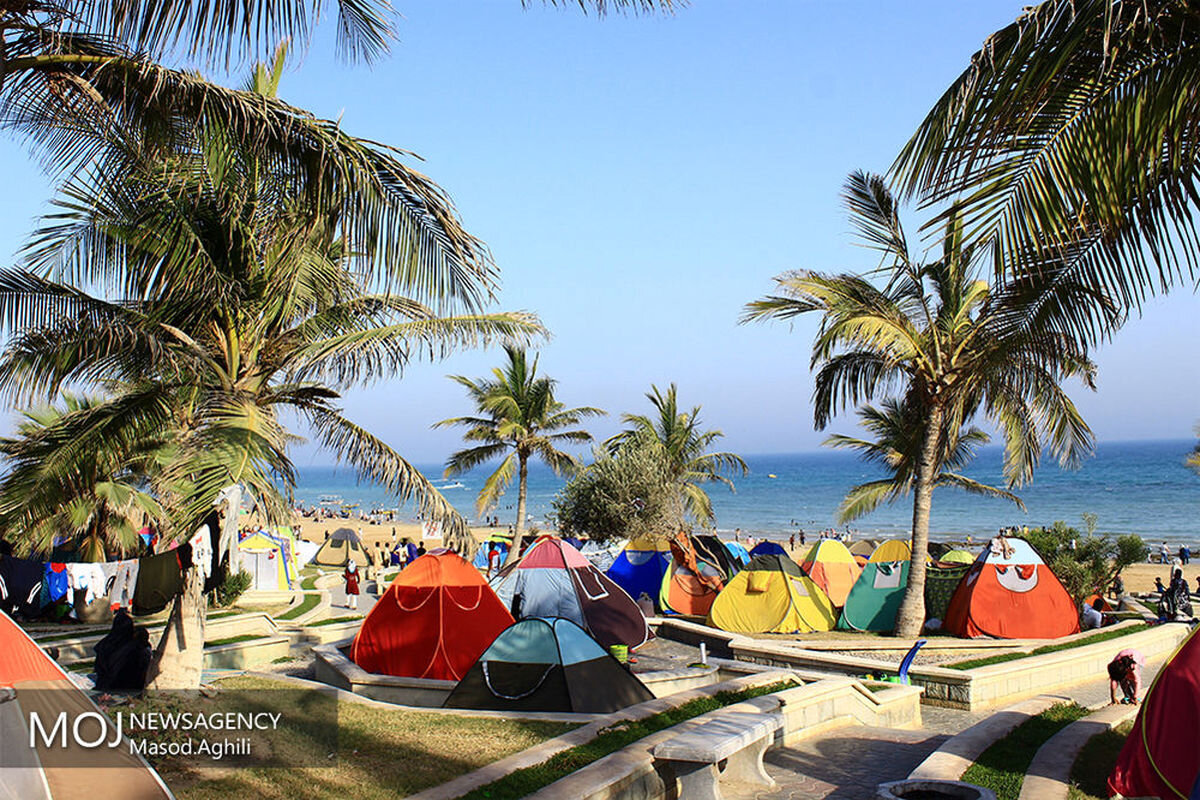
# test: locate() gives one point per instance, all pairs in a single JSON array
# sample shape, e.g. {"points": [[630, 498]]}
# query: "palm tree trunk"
{"points": [[179, 658], [518, 530], [911, 616]]}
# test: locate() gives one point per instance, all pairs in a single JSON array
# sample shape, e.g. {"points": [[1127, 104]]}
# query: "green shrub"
{"points": [[233, 587]]}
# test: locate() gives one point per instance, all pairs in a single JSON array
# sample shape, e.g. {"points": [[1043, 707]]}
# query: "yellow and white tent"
{"points": [[270, 558], [772, 595]]}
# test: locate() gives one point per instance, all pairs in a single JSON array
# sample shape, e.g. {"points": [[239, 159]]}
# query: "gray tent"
{"points": [[341, 546]]}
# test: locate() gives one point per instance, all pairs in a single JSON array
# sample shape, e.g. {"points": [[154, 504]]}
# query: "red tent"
{"points": [[434, 621], [45, 772], [1010, 593], [1161, 757]]}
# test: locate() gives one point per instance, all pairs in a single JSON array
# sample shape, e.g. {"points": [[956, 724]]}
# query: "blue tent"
{"points": [[640, 567], [481, 555], [739, 553], [765, 548]]}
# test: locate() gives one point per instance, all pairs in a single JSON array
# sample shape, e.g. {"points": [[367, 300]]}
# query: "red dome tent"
{"points": [[1161, 757], [434, 621], [1010, 593]]}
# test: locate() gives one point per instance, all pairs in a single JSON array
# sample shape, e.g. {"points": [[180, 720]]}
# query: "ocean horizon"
{"points": [[1141, 487]]}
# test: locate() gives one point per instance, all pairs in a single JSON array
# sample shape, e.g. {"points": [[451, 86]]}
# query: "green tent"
{"points": [[875, 597], [940, 583]]}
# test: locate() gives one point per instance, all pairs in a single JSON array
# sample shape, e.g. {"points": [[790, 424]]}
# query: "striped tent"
{"points": [[31, 682]]}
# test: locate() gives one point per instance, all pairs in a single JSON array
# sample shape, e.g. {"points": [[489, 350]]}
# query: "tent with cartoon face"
{"points": [[1010, 593], [875, 598]]}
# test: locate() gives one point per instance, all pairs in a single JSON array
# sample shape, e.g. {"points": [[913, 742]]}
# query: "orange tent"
{"points": [[1010, 593], [434, 621], [691, 582], [833, 568], [44, 772]]}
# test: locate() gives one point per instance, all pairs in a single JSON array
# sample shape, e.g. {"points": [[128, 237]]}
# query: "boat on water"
{"points": [[455, 485], [330, 500]]}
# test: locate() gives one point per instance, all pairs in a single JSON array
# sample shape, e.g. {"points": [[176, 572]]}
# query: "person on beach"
{"points": [[1179, 600], [493, 561], [1091, 616], [1164, 553], [1117, 589], [792, 542], [351, 578], [1125, 673]]}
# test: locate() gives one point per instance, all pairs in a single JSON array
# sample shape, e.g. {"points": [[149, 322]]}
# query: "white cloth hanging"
{"points": [[202, 552], [88, 577]]}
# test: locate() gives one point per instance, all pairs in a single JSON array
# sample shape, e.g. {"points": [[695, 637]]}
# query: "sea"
{"points": [[1131, 487]]}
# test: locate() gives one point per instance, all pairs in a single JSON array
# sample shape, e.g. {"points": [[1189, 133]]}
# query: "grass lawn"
{"points": [[1002, 766], [309, 581], [307, 604], [530, 779], [383, 753], [1095, 763], [245, 637], [1050, 648], [333, 621]]}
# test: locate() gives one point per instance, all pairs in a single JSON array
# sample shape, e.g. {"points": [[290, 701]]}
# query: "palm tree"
{"points": [[952, 346], [686, 446], [232, 302], [97, 499], [517, 415], [896, 446], [1071, 139]]}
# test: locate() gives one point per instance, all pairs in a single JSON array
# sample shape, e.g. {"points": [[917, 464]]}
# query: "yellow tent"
{"points": [[891, 550], [772, 595], [831, 567], [270, 558]]}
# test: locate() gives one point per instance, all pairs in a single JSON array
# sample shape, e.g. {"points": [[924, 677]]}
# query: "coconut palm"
{"points": [[951, 346], [233, 306], [97, 500], [896, 446], [686, 446], [1071, 139], [518, 418]]}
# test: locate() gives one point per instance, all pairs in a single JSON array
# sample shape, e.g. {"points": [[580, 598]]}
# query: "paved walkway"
{"points": [[849, 763]]}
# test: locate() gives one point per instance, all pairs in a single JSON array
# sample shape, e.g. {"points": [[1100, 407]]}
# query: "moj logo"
{"points": [[89, 730]]}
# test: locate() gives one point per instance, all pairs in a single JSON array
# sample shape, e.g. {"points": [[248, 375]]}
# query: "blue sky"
{"points": [[640, 178]]}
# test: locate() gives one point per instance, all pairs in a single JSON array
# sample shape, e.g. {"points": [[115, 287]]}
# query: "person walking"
{"points": [[351, 578]]}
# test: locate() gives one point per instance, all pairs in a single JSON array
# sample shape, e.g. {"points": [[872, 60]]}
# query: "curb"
{"points": [[1049, 774]]}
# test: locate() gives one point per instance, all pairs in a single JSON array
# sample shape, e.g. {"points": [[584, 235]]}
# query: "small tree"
{"points": [[621, 495], [1093, 564]]}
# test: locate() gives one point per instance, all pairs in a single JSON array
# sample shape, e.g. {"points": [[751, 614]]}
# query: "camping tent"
{"points": [[547, 665], [863, 547], [341, 546], [772, 595], [1161, 757], [270, 558], [1010, 593], [692, 580], [831, 566], [640, 566], [711, 549], [875, 598], [941, 579], [739, 552], [957, 557], [552, 579], [434, 620], [42, 772], [768, 548], [481, 555]]}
